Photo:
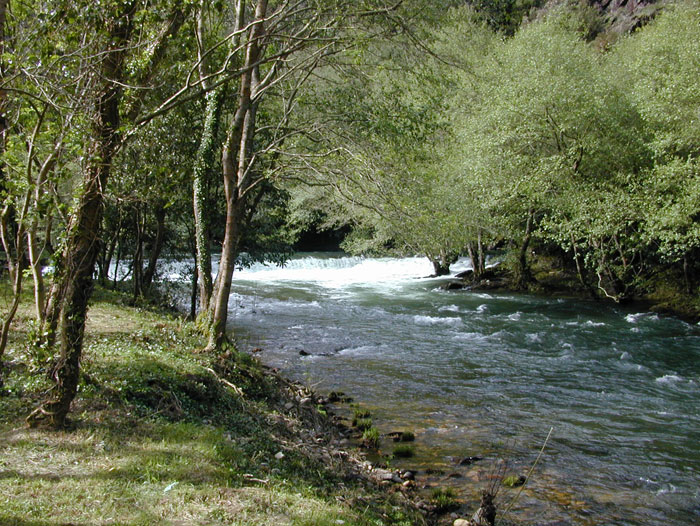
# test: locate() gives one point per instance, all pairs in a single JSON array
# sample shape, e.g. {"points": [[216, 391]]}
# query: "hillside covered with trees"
{"points": [[222, 130]]}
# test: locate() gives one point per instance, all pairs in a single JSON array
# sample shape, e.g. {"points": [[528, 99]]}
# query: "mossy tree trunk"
{"points": [[82, 243], [203, 171]]}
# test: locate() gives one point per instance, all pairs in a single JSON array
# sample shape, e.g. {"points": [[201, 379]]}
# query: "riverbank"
{"points": [[663, 293], [163, 434]]}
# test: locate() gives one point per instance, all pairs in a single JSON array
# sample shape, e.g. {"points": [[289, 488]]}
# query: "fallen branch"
{"points": [[235, 388]]}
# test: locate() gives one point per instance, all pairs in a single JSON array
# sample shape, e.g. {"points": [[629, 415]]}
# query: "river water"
{"points": [[488, 375]]}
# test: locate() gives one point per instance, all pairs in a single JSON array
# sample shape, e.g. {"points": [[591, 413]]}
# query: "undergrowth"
{"points": [[162, 434]]}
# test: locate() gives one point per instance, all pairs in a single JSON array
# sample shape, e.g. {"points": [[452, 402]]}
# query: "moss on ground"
{"points": [[164, 434]]}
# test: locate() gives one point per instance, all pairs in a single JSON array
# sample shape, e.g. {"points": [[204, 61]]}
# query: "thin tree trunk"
{"points": [[3, 95], [137, 259], [523, 271], [193, 293], [117, 262], [157, 248], [236, 178], [15, 271], [480, 253], [687, 275], [109, 255]]}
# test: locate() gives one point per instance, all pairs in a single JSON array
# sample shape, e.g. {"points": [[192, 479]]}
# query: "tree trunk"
{"points": [[35, 254], [440, 268], [83, 233], [156, 249], [3, 96], [137, 259], [79, 257], [523, 275], [203, 170], [15, 271], [193, 293], [237, 178], [103, 274], [481, 258]]}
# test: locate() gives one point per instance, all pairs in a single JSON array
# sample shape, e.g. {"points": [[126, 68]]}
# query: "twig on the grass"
{"points": [[252, 478], [237, 389]]}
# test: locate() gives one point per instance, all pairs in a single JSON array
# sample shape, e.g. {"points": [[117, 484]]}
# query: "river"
{"points": [[488, 375]]}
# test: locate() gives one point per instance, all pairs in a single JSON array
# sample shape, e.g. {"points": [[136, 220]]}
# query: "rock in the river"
{"points": [[452, 285], [466, 461], [408, 475]]}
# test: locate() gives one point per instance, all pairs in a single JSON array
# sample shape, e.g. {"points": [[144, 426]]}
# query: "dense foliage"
{"points": [[540, 139]]}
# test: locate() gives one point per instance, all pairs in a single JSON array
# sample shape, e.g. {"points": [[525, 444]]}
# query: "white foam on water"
{"points": [[666, 489], [482, 308], [362, 349], [625, 356], [433, 320], [449, 308], [337, 272], [591, 323], [515, 316], [639, 316], [669, 379], [470, 336], [534, 337]]}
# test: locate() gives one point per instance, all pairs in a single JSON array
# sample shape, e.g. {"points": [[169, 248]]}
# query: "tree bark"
{"points": [[3, 103], [157, 247], [203, 170], [83, 233], [137, 259], [236, 178], [523, 275]]}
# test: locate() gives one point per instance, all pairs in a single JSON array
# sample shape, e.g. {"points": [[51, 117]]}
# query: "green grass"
{"points": [[444, 499], [362, 424], [370, 437], [157, 438]]}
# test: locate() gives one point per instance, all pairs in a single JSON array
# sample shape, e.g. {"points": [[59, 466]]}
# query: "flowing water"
{"points": [[488, 375]]}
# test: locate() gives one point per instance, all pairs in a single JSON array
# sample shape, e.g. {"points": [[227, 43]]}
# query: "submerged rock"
{"points": [[467, 461]]}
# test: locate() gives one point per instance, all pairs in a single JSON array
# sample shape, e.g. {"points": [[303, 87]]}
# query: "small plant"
{"points": [[370, 437], [513, 481], [444, 499], [362, 423], [361, 413], [403, 451]]}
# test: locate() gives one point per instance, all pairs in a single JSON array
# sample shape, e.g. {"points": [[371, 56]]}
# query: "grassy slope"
{"points": [[162, 435]]}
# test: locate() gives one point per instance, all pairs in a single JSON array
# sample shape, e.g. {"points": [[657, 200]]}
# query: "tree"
{"points": [[115, 31], [659, 65], [281, 45], [391, 137], [549, 135]]}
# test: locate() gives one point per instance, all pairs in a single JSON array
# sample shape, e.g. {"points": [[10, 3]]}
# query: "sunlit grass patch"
{"points": [[157, 437]]}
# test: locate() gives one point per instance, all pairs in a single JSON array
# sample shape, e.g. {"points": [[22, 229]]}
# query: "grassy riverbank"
{"points": [[163, 434]]}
